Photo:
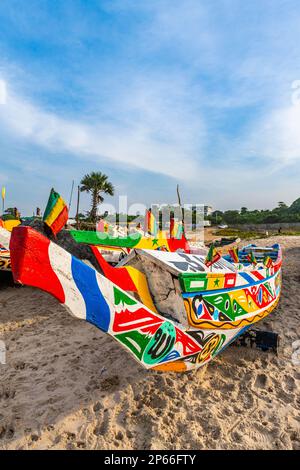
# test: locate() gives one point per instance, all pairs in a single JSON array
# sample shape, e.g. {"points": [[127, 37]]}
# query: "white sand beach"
{"points": [[67, 385]]}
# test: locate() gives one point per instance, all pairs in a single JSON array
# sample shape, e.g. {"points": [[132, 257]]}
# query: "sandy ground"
{"points": [[67, 385]]}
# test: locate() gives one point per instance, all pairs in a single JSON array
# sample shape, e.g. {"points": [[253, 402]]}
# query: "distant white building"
{"points": [[207, 210]]}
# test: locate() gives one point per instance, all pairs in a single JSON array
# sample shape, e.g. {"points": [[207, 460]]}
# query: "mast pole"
{"points": [[71, 195], [77, 210]]}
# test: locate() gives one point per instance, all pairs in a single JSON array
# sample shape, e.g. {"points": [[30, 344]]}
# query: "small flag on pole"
{"points": [[176, 229], [251, 258], [102, 226], [212, 256], [268, 262], [3, 193], [56, 214], [172, 227], [150, 224], [234, 253]]}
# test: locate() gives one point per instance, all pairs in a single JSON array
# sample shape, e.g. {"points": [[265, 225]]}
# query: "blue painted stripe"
{"points": [[171, 356], [228, 289], [97, 309], [247, 277]]}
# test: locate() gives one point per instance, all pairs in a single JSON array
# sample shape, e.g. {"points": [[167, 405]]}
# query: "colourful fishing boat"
{"points": [[4, 250], [168, 309], [115, 248]]}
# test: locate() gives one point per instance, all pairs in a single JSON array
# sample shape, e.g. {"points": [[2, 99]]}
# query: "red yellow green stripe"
{"points": [[234, 253], [56, 212], [268, 262], [251, 258], [212, 256], [151, 225]]}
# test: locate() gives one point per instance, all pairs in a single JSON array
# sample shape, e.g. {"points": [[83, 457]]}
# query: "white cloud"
{"points": [[279, 137], [152, 133], [3, 93], [273, 140]]}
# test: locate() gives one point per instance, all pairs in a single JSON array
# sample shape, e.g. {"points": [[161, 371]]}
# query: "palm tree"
{"points": [[96, 183]]}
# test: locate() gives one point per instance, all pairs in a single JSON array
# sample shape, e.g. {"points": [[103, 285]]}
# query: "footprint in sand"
{"points": [[289, 383], [7, 432], [104, 427], [156, 401], [7, 393], [110, 383], [261, 381], [97, 407]]}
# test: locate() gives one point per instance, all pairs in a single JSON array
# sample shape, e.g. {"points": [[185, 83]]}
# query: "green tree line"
{"points": [[282, 213]]}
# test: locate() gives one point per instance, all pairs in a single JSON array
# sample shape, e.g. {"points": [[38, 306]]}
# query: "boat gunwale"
{"points": [[229, 289]]}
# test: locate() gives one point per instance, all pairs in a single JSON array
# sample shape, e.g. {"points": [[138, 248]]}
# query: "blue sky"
{"points": [[153, 93]]}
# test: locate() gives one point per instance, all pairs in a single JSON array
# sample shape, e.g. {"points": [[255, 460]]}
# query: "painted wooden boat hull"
{"points": [[133, 241], [5, 264], [223, 298], [110, 302]]}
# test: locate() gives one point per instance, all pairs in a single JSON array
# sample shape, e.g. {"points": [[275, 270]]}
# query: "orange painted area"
{"points": [[175, 366]]}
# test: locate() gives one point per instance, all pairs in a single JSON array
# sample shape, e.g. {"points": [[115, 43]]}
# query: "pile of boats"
{"points": [[161, 301]]}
